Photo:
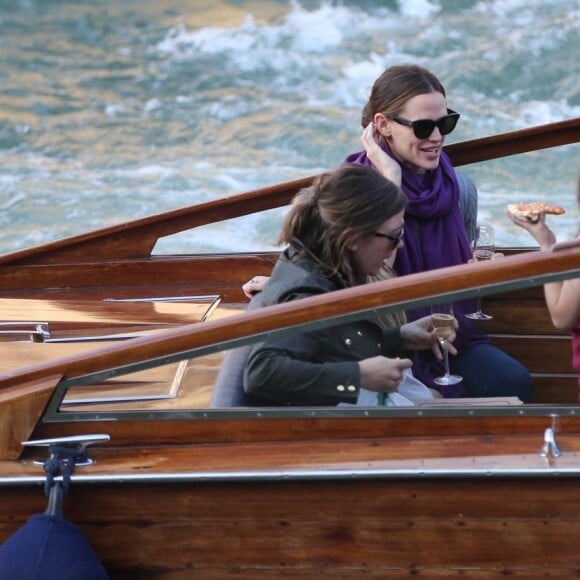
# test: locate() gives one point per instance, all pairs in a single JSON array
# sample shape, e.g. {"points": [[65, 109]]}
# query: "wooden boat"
{"points": [[108, 348]]}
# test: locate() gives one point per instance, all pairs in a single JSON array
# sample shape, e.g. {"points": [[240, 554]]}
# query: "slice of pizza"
{"points": [[532, 211]]}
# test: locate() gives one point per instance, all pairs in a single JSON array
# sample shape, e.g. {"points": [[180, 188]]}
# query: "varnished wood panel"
{"points": [[517, 314], [73, 313], [556, 389], [401, 526], [546, 354], [177, 429], [20, 410], [522, 327], [155, 275]]}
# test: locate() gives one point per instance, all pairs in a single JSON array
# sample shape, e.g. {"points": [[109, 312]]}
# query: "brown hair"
{"points": [[338, 210], [395, 87], [398, 317]]}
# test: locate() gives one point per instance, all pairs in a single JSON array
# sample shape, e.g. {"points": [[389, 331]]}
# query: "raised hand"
{"points": [[370, 140], [538, 229]]}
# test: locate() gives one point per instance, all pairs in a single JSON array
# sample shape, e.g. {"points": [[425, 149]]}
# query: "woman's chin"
{"points": [[431, 163], [424, 164]]}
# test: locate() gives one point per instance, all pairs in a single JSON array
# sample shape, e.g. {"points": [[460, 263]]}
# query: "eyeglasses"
{"points": [[395, 239], [424, 127]]}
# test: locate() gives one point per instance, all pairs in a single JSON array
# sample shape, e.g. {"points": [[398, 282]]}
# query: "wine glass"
{"points": [[483, 249], [442, 318]]}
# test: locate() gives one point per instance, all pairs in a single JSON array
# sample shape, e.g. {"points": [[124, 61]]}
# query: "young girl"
{"points": [[562, 298]]}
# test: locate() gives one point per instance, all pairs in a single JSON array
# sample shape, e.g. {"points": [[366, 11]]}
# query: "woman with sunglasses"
{"points": [[337, 232], [405, 122]]}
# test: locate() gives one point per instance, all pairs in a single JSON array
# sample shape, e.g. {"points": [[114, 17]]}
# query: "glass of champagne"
{"points": [[483, 249], [442, 318]]}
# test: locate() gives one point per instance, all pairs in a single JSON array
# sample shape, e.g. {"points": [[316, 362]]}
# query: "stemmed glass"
{"points": [[483, 249], [442, 318]]}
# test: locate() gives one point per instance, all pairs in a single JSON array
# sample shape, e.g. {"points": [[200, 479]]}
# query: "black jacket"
{"points": [[318, 367]]}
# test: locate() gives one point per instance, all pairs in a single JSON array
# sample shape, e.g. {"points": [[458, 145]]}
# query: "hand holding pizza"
{"points": [[532, 211], [532, 217]]}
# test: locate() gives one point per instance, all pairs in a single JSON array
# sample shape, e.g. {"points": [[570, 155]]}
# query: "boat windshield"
{"points": [[178, 379]]}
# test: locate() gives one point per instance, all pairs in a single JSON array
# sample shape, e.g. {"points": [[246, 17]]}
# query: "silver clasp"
{"points": [[550, 447]]}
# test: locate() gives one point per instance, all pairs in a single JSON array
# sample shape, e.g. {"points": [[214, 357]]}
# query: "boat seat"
{"points": [[228, 390]]}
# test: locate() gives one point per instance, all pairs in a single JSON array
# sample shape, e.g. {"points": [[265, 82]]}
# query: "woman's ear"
{"points": [[382, 124]]}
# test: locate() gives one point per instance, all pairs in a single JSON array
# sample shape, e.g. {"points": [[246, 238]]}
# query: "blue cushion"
{"points": [[228, 390], [48, 547]]}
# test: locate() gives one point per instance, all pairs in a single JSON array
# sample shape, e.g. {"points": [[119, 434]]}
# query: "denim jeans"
{"points": [[487, 371]]}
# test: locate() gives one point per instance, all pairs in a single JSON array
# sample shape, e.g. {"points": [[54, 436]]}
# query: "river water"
{"points": [[115, 110]]}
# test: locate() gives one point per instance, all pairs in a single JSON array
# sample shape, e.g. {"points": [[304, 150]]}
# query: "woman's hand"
{"points": [[382, 374], [256, 284], [420, 335], [538, 229], [383, 162]]}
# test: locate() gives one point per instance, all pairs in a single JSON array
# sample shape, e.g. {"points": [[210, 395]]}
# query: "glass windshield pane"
{"points": [[184, 383]]}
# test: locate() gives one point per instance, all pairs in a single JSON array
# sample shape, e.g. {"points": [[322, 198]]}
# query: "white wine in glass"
{"points": [[443, 319], [483, 249]]}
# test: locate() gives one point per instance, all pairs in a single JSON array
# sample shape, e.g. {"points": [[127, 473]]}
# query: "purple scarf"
{"points": [[435, 237]]}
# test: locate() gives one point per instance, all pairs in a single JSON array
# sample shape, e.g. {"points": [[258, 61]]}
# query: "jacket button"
{"points": [[340, 388], [359, 332], [348, 342], [351, 388]]}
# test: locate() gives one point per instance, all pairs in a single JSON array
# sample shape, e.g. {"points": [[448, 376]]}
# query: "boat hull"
{"points": [[371, 527]]}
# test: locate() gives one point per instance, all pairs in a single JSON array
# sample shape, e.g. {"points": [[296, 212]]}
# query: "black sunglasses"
{"points": [[395, 239], [424, 127]]}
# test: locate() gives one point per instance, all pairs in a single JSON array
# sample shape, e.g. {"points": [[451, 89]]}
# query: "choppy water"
{"points": [[114, 110]]}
